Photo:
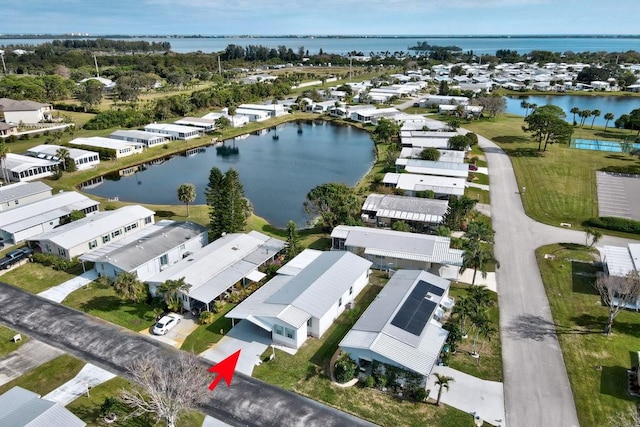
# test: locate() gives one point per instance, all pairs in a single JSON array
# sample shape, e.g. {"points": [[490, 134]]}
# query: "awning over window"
{"points": [[255, 276]]}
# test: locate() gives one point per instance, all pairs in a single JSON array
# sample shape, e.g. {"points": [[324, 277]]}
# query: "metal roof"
{"points": [[452, 156], [419, 133], [399, 244], [23, 408], [634, 250], [51, 150], [149, 243], [426, 167], [310, 293], [7, 104], [425, 142], [416, 352], [406, 208], [299, 262], [19, 190], [416, 182], [221, 264], [139, 135], [172, 127], [19, 163], [101, 142], [618, 260], [42, 211], [94, 226]]}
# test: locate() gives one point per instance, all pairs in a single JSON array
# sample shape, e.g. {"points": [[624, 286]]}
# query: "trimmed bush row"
{"points": [[616, 224]]}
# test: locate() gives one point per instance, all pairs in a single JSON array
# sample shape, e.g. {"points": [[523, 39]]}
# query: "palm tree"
{"points": [[482, 297], [482, 325], [64, 156], [594, 114], [479, 232], [583, 116], [574, 111], [608, 117], [525, 105], [442, 381], [594, 234], [478, 257], [129, 288], [463, 310], [171, 291], [187, 194]]}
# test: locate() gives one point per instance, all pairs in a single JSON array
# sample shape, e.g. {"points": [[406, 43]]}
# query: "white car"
{"points": [[166, 323]]}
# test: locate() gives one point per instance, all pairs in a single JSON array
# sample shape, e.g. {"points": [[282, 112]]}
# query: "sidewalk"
{"points": [[88, 377], [479, 186], [471, 395], [28, 356], [60, 292]]}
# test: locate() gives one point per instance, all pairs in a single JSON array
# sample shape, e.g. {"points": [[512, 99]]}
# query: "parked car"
{"points": [[166, 323], [473, 167], [15, 256]]}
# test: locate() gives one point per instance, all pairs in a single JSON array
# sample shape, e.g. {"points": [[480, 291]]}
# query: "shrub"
{"points": [[218, 305], [419, 394], [206, 317], [345, 368], [370, 381], [55, 262], [616, 224]]}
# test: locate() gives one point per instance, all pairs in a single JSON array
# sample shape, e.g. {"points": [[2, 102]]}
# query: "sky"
{"points": [[325, 17]]}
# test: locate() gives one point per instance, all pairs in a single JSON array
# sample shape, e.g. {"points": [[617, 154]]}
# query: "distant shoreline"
{"points": [[311, 36]]}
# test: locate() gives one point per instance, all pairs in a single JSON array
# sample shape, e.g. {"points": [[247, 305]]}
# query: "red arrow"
{"points": [[225, 369]]}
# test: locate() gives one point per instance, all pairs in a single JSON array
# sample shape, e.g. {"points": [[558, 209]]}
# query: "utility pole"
{"points": [[4, 67], [350, 68], [219, 66]]}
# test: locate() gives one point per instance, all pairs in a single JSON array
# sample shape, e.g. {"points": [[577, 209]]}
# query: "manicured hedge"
{"points": [[616, 224]]}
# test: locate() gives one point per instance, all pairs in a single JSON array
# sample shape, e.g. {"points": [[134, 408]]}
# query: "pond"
{"points": [[277, 168], [618, 105]]}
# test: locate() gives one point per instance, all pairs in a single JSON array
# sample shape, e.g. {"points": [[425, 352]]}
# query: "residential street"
{"points": [[536, 385], [248, 402]]}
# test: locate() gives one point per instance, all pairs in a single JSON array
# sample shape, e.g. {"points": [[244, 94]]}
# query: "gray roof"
{"points": [[149, 243], [52, 208], [9, 193], [221, 264], [375, 332], [452, 156], [427, 167], [93, 226], [7, 104], [406, 208], [621, 260], [399, 244], [310, 293], [51, 150], [23, 408], [139, 135]]}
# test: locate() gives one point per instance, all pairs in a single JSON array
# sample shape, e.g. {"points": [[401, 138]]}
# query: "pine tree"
{"points": [[213, 195], [228, 207], [293, 241]]}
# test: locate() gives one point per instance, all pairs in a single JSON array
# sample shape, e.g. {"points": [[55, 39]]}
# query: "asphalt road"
{"points": [[536, 385], [248, 402]]}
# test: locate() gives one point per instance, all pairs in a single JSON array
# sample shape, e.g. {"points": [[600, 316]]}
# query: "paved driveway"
{"points": [[28, 356], [89, 376], [471, 395], [248, 402], [245, 336], [60, 292], [176, 336]]}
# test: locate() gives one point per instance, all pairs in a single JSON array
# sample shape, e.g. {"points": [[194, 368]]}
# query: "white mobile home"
{"points": [[451, 156], [149, 139], [29, 220], [27, 168], [83, 159], [206, 125], [391, 250], [253, 115], [428, 167], [175, 131], [27, 112], [421, 214], [236, 121], [400, 327], [150, 250], [274, 110], [21, 193], [412, 184], [90, 233], [115, 147], [306, 303], [213, 270]]}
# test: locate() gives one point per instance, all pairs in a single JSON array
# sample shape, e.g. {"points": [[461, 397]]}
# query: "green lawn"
{"points": [[482, 196], [202, 338], [35, 278], [6, 343], [88, 408], [101, 301], [489, 366], [306, 374], [48, 376], [561, 183], [597, 364]]}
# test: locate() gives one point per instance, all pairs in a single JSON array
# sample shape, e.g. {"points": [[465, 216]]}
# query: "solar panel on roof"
{"points": [[417, 310]]}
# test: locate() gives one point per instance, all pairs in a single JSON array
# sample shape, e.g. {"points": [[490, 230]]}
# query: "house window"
{"points": [[61, 252], [164, 259], [351, 290], [93, 244], [131, 227], [147, 220], [340, 302], [105, 238], [116, 233], [279, 330], [17, 202], [289, 333], [310, 322], [47, 247]]}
